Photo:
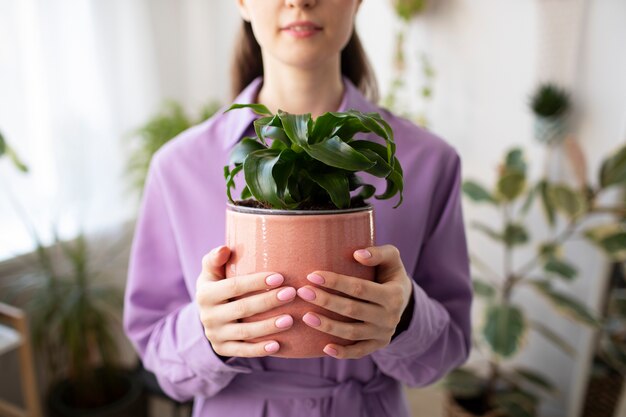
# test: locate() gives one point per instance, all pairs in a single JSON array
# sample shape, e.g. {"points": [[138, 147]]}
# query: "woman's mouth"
{"points": [[302, 29]]}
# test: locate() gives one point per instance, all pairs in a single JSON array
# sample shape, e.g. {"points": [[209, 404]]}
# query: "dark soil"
{"points": [[306, 205]]}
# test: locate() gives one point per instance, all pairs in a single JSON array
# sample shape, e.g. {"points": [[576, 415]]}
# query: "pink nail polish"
{"points": [[311, 320], [363, 253], [286, 294], [284, 321], [330, 351], [272, 347], [274, 279], [316, 279], [306, 293]]}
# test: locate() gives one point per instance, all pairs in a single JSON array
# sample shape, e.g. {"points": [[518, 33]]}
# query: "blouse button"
{"points": [[310, 402]]}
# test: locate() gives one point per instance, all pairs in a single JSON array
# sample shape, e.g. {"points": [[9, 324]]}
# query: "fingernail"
{"points": [[316, 279], [363, 253], [286, 294], [330, 351], [311, 320], [306, 293], [284, 321], [274, 279], [272, 347]]}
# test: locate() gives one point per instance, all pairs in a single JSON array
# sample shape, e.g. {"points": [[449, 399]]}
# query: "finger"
{"points": [[213, 263], [354, 351], [347, 307], [349, 331], [252, 330], [352, 286], [386, 258], [254, 304], [247, 349], [215, 292]]}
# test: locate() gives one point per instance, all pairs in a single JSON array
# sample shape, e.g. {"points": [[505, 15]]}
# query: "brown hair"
{"points": [[247, 64]]}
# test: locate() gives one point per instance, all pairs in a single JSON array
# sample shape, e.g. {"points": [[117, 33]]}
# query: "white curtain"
{"points": [[76, 78]]}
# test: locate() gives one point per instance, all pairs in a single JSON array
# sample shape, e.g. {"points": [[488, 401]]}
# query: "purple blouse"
{"points": [[182, 217]]}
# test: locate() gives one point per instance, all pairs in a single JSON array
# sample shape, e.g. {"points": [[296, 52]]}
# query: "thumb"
{"points": [[213, 263], [386, 258]]}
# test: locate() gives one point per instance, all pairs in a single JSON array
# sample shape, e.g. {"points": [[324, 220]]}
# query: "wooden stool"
{"points": [[14, 334]]}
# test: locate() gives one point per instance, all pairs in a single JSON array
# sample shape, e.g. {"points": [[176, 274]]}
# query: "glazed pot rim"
{"points": [[264, 211]]}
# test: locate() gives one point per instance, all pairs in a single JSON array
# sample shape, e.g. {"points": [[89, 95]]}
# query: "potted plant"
{"points": [[296, 212], [551, 105], [504, 389], [72, 313]]}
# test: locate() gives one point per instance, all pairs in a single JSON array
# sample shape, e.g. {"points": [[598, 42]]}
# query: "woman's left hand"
{"points": [[378, 305]]}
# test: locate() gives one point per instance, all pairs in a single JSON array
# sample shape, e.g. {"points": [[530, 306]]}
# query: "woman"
{"points": [[302, 57]]}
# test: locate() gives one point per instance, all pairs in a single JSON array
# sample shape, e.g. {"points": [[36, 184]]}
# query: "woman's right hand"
{"points": [[219, 315]]}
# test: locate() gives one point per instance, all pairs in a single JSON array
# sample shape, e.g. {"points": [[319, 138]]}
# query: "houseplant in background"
{"points": [[397, 98], [551, 106], [506, 389], [297, 196], [606, 382], [156, 132], [73, 312]]}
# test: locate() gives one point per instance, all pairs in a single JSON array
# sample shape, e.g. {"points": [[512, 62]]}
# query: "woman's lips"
{"points": [[301, 31]]}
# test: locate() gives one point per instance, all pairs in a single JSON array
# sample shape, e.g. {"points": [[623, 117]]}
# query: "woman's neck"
{"points": [[299, 91]]}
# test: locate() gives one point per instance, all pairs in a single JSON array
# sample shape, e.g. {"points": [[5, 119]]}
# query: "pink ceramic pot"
{"points": [[296, 243]]}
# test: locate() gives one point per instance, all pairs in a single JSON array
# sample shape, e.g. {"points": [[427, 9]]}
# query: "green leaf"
{"points": [[336, 153], [487, 230], [553, 337], [613, 168], [395, 182], [477, 192], [326, 126], [515, 161], [560, 267], [504, 329], [535, 379], [257, 108], [515, 234], [258, 167], [282, 171], [230, 179], [511, 185], [394, 186], [17, 162], [483, 289], [336, 185], [571, 202], [296, 127], [516, 403], [547, 203], [611, 238], [245, 193], [3, 144], [242, 149], [377, 153], [565, 304], [463, 383], [271, 128], [530, 196]]}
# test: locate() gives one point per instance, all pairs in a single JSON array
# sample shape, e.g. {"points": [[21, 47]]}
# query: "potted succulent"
{"points": [[503, 388], [551, 105], [72, 312], [296, 213]]}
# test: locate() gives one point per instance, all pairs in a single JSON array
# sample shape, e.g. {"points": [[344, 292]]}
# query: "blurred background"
{"points": [[531, 93]]}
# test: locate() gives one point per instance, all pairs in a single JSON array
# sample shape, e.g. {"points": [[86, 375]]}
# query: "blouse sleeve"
{"points": [[438, 335], [160, 318]]}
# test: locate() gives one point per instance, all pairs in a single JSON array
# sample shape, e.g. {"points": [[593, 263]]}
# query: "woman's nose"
{"points": [[300, 3]]}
